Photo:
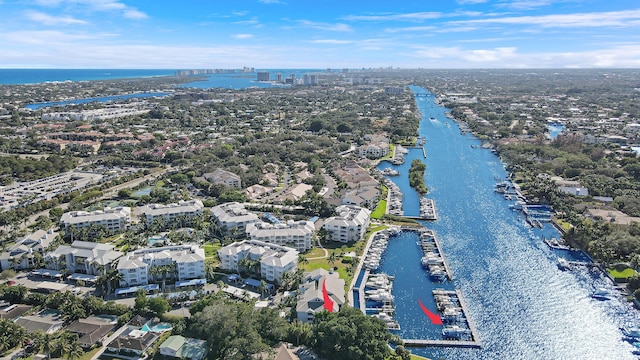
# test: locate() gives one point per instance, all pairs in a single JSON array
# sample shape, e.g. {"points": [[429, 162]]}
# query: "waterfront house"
{"points": [[320, 291]]}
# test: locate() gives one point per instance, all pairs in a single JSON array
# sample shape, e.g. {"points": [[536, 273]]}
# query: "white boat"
{"points": [[563, 264], [633, 333], [601, 294], [384, 296], [455, 332], [383, 316]]}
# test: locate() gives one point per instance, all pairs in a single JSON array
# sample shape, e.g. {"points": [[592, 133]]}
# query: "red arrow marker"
{"points": [[435, 318]]}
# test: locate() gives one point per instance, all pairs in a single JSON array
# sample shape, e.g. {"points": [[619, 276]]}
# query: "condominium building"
{"points": [[182, 212], [83, 257], [232, 218], [20, 254], [275, 260], [114, 220], [187, 260], [295, 234], [350, 225]]}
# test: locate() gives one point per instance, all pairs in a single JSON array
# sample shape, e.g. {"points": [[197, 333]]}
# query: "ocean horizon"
{"points": [[38, 76]]}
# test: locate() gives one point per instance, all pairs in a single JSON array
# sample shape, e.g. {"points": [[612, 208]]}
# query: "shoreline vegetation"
{"points": [[416, 176]]}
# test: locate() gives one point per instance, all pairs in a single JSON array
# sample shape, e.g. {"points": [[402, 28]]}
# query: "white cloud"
{"points": [[622, 56], [242, 36], [97, 5], [594, 19], [464, 2], [411, 29], [526, 4], [332, 41], [417, 16], [47, 19], [271, 2], [324, 26], [48, 37], [134, 14]]}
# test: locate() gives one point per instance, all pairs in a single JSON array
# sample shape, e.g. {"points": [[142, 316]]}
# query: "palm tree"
{"points": [[332, 258], [75, 351], [263, 287], [303, 260]]}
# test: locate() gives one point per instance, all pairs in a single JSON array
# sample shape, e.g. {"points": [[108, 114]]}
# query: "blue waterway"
{"points": [[523, 306], [36, 76], [36, 106]]}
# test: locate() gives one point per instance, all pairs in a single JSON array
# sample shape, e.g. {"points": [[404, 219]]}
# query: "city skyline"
{"points": [[297, 34]]}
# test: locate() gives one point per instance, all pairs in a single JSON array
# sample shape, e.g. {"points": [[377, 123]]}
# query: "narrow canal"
{"points": [[523, 306]]}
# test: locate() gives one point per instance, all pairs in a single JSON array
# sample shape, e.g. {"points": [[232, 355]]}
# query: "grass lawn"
{"points": [[89, 355], [624, 274], [210, 250], [380, 210]]}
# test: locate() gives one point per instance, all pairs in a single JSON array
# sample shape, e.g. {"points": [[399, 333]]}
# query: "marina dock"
{"points": [[444, 260], [441, 343], [473, 343]]}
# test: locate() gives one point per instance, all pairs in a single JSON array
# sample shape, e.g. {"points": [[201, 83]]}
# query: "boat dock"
{"points": [[474, 342], [428, 209], [444, 261], [441, 343]]}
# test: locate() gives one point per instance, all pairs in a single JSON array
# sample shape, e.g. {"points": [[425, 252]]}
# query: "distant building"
{"points": [[113, 220], [224, 177], [182, 212], [233, 215], [263, 76], [295, 234], [275, 260], [349, 226], [319, 291]]}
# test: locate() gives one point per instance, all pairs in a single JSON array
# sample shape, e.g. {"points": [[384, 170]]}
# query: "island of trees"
{"points": [[416, 176]]}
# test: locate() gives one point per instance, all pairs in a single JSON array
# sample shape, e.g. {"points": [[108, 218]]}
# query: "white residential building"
{"points": [[275, 260], [20, 254], [295, 234], [83, 257], [181, 212], [188, 261], [350, 225], [374, 151], [231, 216], [114, 220], [227, 178]]}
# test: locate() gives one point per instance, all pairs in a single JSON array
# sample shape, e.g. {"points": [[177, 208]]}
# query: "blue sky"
{"points": [[319, 34]]}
